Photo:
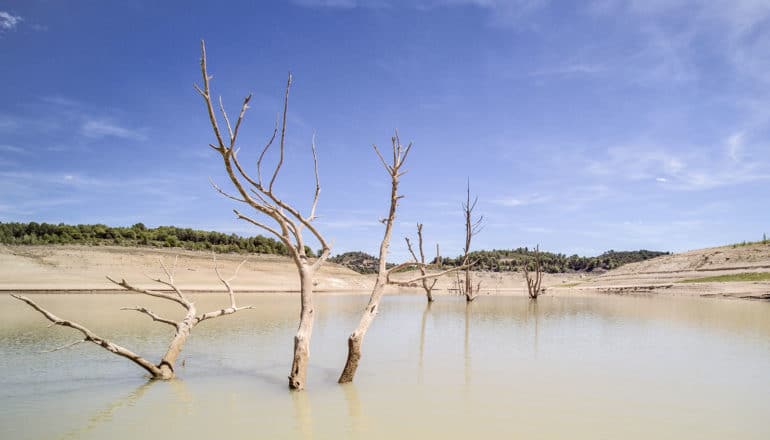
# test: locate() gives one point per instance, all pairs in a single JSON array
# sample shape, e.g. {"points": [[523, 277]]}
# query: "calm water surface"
{"points": [[572, 367]]}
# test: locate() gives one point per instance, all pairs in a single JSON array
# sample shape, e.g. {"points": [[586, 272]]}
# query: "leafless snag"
{"points": [[288, 221], [534, 280], [426, 285], [356, 338], [473, 227], [164, 370]]}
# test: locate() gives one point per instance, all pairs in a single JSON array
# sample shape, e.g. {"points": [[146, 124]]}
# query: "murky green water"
{"points": [[585, 367]]}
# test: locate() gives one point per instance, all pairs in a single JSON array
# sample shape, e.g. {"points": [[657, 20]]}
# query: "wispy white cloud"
{"points": [[530, 199], [349, 224], [736, 29], [504, 13], [734, 145], [570, 69], [8, 21], [11, 149], [687, 169], [59, 100], [100, 128]]}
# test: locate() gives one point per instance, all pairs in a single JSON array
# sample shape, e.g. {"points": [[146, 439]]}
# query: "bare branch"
{"points": [[283, 133], [311, 217], [534, 282], [227, 121], [382, 159], [152, 315], [244, 107], [63, 347], [226, 194], [257, 224], [425, 277], [184, 303], [409, 247], [221, 312], [92, 337], [226, 282], [207, 97], [264, 150]]}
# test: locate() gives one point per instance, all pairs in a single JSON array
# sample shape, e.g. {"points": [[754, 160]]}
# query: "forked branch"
{"points": [[182, 328], [90, 336], [535, 280], [283, 220]]}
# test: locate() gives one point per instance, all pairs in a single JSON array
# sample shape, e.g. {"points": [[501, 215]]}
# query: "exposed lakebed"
{"points": [[577, 367]]}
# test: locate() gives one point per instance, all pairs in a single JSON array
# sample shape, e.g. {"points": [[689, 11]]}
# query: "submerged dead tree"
{"points": [[164, 370], [427, 285], [355, 340], [534, 280], [473, 227], [288, 221]]}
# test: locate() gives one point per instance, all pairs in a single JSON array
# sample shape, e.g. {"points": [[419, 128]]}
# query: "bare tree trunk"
{"points": [[469, 296], [426, 285], [184, 328], [534, 282], [472, 227], [298, 375], [288, 222], [355, 340]]}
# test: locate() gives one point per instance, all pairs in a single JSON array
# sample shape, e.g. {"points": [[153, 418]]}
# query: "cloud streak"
{"points": [[8, 21], [99, 128]]}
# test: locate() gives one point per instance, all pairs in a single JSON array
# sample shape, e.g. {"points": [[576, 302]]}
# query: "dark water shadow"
{"points": [[105, 414], [421, 358]]}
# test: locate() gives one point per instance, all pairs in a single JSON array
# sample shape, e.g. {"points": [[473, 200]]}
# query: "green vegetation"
{"points": [[514, 259], [170, 236], [754, 276], [137, 235], [360, 262], [749, 243]]}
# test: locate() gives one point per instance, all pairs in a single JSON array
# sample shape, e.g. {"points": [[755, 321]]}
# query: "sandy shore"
{"points": [[84, 269]]}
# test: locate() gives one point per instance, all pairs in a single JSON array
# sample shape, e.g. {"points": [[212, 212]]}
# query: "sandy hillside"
{"points": [[84, 268], [662, 275], [64, 268]]}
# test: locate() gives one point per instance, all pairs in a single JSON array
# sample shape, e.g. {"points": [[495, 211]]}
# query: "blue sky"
{"points": [[582, 126]]}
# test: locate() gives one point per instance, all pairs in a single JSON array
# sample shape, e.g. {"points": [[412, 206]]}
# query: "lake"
{"points": [[564, 367]]}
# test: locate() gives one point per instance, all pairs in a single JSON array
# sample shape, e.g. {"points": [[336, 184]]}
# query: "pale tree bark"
{"points": [[427, 286], [535, 280], [355, 340], [285, 221], [164, 370], [473, 226]]}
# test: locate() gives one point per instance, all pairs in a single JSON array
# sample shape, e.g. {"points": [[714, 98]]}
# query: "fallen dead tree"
{"points": [[164, 370]]}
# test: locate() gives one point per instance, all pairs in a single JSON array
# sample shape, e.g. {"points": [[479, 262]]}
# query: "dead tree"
{"points": [[164, 370], [356, 338], [534, 280], [427, 285], [287, 221], [473, 227]]}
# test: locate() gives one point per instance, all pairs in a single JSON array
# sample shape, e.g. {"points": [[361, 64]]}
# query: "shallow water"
{"points": [[572, 367]]}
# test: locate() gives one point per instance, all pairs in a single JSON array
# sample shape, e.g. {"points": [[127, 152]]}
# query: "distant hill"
{"points": [[137, 235], [505, 260], [513, 260], [360, 262]]}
